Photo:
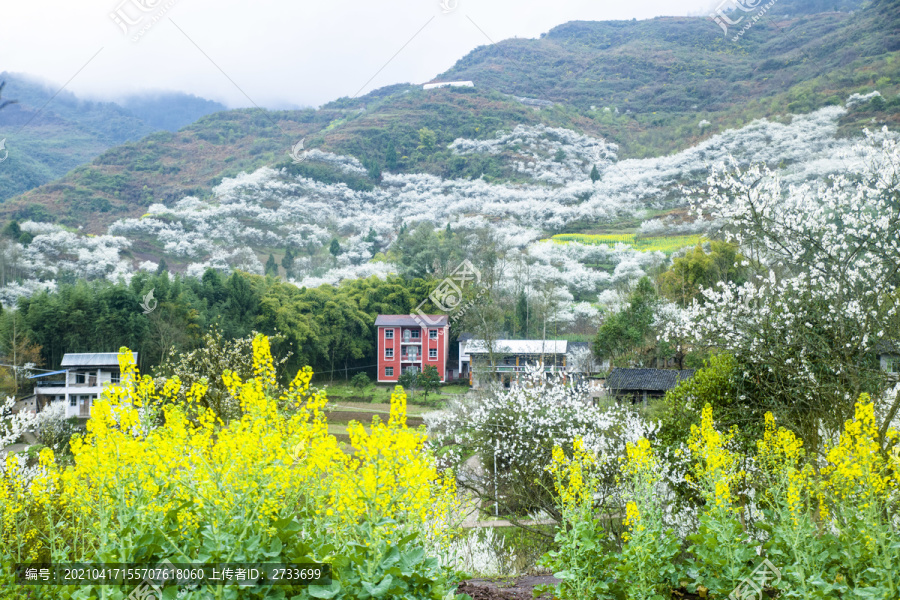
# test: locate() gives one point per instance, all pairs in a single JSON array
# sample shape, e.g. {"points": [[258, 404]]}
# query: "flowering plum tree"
{"points": [[516, 429], [807, 327]]}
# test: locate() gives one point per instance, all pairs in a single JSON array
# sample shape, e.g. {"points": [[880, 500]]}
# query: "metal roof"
{"points": [[518, 347], [651, 380], [410, 321], [93, 359]]}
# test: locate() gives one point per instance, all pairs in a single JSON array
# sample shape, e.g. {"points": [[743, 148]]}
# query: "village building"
{"points": [[78, 383], [407, 343], [505, 360], [640, 385]]}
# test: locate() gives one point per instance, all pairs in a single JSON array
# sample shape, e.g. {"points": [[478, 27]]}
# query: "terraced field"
{"points": [[665, 244], [341, 413]]}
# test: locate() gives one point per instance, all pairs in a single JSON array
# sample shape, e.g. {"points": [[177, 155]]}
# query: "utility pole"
{"points": [[496, 496]]}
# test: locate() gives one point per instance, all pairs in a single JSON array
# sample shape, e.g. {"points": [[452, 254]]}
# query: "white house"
{"points": [[80, 381]]}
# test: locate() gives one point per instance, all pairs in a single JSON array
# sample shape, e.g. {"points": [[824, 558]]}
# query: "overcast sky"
{"points": [[274, 53]]}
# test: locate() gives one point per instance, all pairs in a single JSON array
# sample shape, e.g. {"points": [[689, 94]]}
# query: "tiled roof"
{"points": [[646, 379], [92, 359], [408, 321], [887, 347]]}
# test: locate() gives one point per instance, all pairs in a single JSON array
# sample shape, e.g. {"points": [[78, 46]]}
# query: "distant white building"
{"points": [[431, 86], [79, 383], [505, 360]]}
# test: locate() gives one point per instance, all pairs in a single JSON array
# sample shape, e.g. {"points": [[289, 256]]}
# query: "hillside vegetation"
{"points": [[651, 87], [49, 132]]}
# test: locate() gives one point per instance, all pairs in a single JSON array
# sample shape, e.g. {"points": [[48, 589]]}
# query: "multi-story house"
{"points": [[79, 382], [407, 343]]}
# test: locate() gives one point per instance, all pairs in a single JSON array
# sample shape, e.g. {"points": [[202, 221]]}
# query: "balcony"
{"points": [[58, 383], [408, 338], [410, 358]]}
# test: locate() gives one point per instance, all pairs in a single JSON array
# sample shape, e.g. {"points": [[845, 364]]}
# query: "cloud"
{"points": [[275, 53]]}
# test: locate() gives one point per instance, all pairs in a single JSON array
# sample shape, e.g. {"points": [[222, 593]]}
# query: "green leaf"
{"points": [[170, 592], [321, 591], [274, 549], [379, 590]]}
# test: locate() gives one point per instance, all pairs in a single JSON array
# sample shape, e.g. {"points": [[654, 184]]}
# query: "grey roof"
{"points": [[92, 359], [650, 380], [464, 336], [410, 321], [887, 347]]}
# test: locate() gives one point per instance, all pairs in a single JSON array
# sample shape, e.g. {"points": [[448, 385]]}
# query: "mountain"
{"points": [[652, 87], [50, 132], [171, 110], [652, 105]]}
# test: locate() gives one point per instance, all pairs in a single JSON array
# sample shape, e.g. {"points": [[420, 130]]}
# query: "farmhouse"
{"points": [[505, 360], [407, 343], [80, 381], [643, 384]]}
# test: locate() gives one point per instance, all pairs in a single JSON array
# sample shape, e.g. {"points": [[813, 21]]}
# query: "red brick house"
{"points": [[409, 343]]}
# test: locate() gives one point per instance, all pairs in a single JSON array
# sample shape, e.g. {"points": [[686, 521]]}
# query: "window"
{"points": [[388, 334], [894, 365], [114, 377], [389, 371], [79, 377], [432, 353], [73, 401], [415, 334], [389, 353], [432, 334]]}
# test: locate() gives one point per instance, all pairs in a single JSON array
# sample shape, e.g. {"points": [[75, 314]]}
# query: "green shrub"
{"points": [[360, 380]]}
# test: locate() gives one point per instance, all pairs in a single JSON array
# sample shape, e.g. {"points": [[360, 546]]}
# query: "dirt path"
{"points": [[520, 588]]}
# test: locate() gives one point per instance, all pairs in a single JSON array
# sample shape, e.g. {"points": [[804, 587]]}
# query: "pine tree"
{"points": [[271, 266], [390, 157], [335, 247], [163, 267], [522, 314], [288, 261], [595, 174]]}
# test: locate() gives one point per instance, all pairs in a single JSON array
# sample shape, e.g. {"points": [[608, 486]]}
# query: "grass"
{"points": [[380, 394], [654, 410], [377, 408], [665, 244]]}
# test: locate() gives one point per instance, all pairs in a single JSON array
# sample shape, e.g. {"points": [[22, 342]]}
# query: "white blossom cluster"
{"points": [[830, 251], [856, 99], [335, 276], [535, 150], [13, 427], [523, 424], [347, 164], [250, 215], [55, 251]]}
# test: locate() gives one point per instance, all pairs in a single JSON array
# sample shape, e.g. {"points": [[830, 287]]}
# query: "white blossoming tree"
{"points": [[501, 440], [807, 328]]}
